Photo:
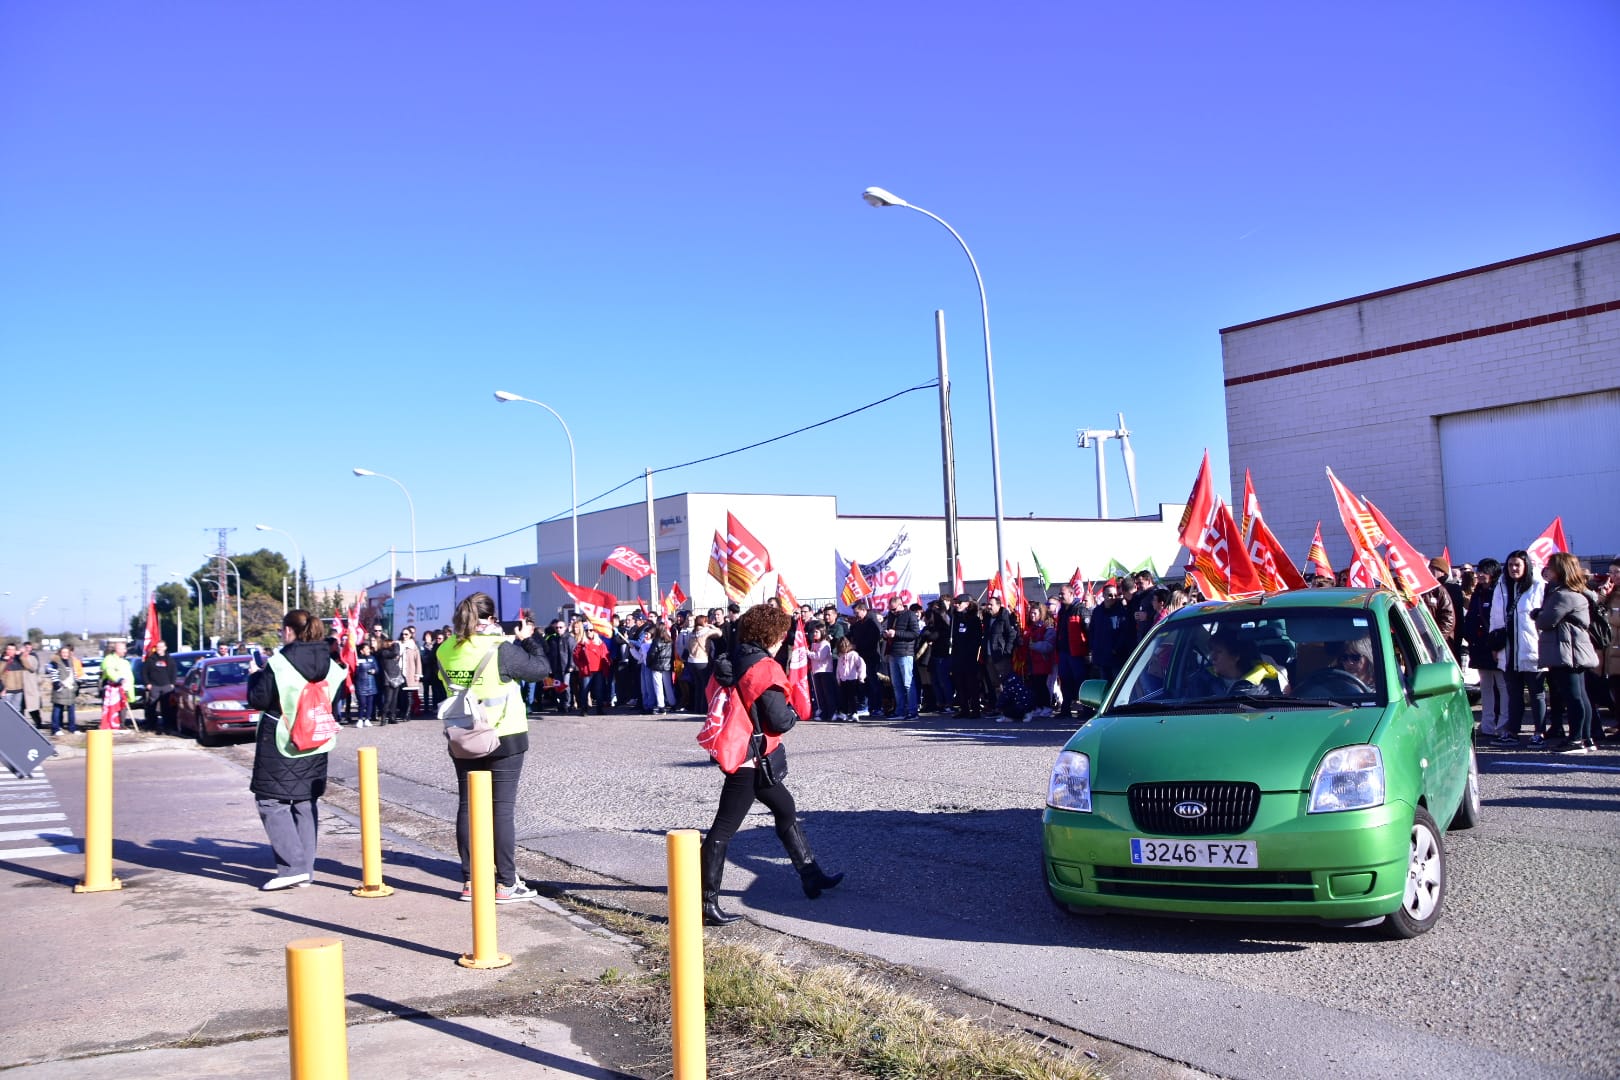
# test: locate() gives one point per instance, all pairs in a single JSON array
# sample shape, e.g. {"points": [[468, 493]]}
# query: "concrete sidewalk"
{"points": [[190, 951]]}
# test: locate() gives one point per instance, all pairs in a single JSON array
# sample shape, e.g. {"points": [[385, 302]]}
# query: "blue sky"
{"points": [[245, 248]]}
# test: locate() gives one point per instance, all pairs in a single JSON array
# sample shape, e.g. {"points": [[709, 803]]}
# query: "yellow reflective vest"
{"points": [[502, 698]]}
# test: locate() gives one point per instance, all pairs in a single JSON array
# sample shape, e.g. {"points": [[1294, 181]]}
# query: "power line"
{"points": [[930, 384]]}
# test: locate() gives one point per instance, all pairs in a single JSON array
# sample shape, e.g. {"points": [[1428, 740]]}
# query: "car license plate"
{"points": [[1216, 854]]}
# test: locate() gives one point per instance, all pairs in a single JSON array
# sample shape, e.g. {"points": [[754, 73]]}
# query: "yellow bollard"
{"points": [[317, 1031], [371, 882], [98, 813], [481, 842], [686, 954]]}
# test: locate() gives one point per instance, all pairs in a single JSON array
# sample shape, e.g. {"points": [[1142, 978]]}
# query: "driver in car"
{"points": [[1356, 658], [1236, 669]]}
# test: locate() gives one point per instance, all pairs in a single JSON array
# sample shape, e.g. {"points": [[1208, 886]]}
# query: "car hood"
{"points": [[1278, 750]]}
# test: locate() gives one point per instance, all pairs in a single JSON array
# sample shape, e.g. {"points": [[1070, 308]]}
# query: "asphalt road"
{"points": [[937, 823]]}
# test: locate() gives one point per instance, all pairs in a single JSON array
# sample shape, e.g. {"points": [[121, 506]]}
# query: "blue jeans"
{"points": [[56, 718], [905, 688]]}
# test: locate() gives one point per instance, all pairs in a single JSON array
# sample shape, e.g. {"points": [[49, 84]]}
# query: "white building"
{"points": [[1472, 408], [805, 534]]}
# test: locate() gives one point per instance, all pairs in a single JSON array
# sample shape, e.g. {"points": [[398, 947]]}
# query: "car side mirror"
{"points": [[1432, 680], [1092, 691]]}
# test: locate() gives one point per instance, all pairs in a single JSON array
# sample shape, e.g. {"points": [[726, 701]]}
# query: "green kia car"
{"points": [[1295, 756]]}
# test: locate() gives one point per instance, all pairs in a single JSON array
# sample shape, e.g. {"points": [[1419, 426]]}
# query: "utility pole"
{"points": [[222, 583], [123, 616]]}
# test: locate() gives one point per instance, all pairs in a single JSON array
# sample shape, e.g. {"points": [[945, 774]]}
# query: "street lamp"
{"points": [[298, 596], [201, 637], [411, 503], [573, 467], [876, 196]]}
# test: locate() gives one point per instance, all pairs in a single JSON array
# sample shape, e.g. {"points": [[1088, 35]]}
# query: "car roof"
{"points": [[1346, 599]]}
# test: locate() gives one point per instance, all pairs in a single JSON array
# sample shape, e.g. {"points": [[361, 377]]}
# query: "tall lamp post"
{"points": [[876, 196], [298, 595], [409, 502], [573, 467], [201, 637]]}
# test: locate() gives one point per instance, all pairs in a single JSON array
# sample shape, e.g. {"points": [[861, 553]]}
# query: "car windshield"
{"points": [[1293, 656], [232, 674]]}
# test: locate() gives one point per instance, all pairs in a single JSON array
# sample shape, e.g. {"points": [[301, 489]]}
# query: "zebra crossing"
{"points": [[32, 825]]}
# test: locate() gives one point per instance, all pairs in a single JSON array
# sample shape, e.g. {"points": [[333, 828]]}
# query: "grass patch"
{"points": [[836, 1016], [827, 1021]]}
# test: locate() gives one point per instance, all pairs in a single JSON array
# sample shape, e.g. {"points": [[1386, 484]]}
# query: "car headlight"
{"points": [[1349, 778], [1070, 788], [227, 706]]}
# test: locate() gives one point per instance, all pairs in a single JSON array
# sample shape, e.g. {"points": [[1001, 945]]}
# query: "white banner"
{"points": [[889, 574]]}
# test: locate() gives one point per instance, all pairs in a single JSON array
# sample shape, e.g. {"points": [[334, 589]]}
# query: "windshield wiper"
{"points": [[1322, 702]]}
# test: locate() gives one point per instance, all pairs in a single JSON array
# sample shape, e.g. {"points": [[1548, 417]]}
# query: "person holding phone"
{"points": [[477, 634]]}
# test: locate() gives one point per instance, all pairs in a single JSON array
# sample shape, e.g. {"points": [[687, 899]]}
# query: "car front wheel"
{"points": [[1468, 813], [204, 736], [1425, 880]]}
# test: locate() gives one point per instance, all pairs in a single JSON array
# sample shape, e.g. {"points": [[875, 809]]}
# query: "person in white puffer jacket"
{"points": [[1518, 645]]}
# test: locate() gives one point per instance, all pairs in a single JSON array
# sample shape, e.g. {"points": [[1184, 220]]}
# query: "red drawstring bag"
{"points": [[313, 723]]}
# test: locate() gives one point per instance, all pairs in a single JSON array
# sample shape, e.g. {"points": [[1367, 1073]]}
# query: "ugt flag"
{"points": [[629, 560]]}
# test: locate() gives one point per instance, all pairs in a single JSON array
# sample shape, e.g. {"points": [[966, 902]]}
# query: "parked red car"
{"points": [[211, 701]]}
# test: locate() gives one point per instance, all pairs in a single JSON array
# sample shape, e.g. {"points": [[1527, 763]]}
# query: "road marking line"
{"points": [[1561, 765], [41, 852], [974, 734], [29, 819], [63, 833], [31, 805]]}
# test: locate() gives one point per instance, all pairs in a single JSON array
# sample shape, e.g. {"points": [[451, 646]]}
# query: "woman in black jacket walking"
{"points": [[760, 633], [287, 782]]}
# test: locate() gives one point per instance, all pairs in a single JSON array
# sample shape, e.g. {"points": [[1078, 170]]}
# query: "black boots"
{"points": [[814, 879], [714, 868]]}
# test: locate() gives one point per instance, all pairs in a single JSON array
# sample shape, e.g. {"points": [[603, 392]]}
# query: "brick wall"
{"points": [[1358, 385]]}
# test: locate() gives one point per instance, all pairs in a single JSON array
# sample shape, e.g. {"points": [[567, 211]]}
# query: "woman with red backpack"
{"points": [[289, 778], [765, 713]]}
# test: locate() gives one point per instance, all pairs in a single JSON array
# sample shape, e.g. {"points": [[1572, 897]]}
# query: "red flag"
{"points": [[152, 635], [798, 671], [1277, 571], [1411, 569], [350, 654], [1317, 556], [856, 586], [674, 599], [785, 597], [630, 561], [995, 588], [959, 584], [642, 604], [594, 605], [1219, 555], [1023, 601], [1445, 554], [1548, 544], [1078, 585], [717, 564], [1251, 507], [1200, 504], [1363, 531], [1359, 577], [746, 558]]}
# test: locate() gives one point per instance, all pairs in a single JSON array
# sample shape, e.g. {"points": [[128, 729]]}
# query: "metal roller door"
{"points": [[1509, 471]]}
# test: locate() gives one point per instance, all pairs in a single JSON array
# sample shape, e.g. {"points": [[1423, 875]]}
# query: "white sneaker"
{"points": [[288, 882]]}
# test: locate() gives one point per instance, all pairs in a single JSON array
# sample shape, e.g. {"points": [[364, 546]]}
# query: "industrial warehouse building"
{"points": [[1472, 408], [810, 541]]}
